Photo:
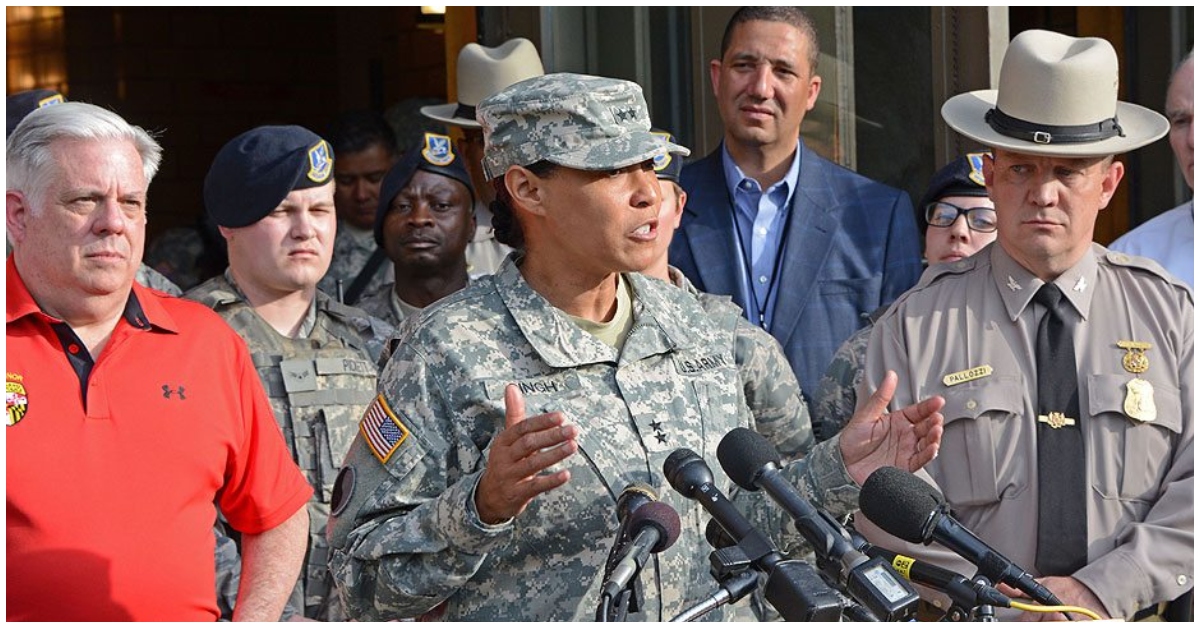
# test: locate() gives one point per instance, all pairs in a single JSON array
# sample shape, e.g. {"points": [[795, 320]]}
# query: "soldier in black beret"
{"points": [[270, 191], [24, 103], [425, 222]]}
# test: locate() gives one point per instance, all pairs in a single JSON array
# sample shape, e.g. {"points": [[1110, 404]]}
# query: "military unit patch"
{"points": [[437, 150], [662, 161], [383, 432], [56, 99], [976, 162], [320, 162], [16, 400]]}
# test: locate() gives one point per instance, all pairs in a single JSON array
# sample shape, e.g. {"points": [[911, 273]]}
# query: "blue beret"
{"points": [[255, 171], [22, 104], [435, 155], [668, 166], [961, 177]]}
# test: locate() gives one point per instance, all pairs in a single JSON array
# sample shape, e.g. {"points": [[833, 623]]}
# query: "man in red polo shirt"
{"points": [[130, 414]]}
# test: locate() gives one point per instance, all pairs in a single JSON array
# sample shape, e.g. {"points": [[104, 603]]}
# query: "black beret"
{"points": [[961, 177], [668, 166], [255, 171], [435, 155], [22, 104]]}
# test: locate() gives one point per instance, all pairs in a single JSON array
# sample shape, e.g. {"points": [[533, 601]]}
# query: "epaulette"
{"points": [[213, 294], [938, 271], [1117, 258], [361, 321]]}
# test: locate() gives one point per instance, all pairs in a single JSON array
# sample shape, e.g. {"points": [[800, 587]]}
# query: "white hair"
{"points": [[28, 158]]}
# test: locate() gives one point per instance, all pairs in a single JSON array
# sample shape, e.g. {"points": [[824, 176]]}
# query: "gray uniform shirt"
{"points": [[405, 536], [979, 312]]}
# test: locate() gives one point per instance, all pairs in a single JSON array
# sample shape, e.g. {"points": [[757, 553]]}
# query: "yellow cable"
{"points": [[1054, 609]]}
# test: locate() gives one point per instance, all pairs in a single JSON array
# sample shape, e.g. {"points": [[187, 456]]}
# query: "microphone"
{"points": [[654, 526], [904, 506], [716, 536], [634, 496], [797, 594], [752, 463]]}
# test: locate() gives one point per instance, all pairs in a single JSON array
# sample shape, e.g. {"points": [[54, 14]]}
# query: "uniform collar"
{"points": [[659, 323], [234, 294], [142, 308], [1017, 285]]}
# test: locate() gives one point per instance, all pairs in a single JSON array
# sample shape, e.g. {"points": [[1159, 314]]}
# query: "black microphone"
{"points": [[634, 496], [752, 463], [796, 593], [904, 506], [654, 526]]}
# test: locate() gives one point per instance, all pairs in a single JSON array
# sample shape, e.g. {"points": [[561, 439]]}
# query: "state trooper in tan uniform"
{"points": [[511, 415], [271, 193], [970, 331]]}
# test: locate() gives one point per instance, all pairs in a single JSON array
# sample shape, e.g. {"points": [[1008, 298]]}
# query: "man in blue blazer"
{"points": [[808, 249]]}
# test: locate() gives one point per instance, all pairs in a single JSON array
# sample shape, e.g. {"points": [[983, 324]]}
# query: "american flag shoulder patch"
{"points": [[382, 430]]}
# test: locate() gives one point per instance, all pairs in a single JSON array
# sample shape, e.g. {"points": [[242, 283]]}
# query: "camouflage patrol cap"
{"points": [[255, 171], [572, 120]]}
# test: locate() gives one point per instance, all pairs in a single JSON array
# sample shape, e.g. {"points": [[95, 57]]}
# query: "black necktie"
{"points": [[1062, 483]]}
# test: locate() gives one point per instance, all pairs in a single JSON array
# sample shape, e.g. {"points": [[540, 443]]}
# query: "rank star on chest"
{"points": [[659, 433]]}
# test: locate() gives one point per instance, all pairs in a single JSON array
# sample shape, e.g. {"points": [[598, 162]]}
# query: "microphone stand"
{"points": [[983, 612], [733, 588]]}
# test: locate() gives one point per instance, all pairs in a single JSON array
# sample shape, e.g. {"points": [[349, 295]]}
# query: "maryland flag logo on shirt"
{"points": [[15, 398]]}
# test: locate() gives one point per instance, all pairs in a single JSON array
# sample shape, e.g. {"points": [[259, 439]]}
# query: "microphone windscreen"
{"points": [[743, 453], [660, 515], [899, 502]]}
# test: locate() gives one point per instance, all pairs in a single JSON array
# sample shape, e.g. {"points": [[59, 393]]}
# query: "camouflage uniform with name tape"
{"points": [[404, 535], [319, 386]]}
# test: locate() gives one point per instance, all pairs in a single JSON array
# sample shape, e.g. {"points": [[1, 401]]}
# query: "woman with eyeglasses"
{"points": [[958, 219]]}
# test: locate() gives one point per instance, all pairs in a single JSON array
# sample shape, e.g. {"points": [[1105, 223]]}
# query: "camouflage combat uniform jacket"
{"points": [[405, 536], [768, 383], [319, 387], [837, 393]]}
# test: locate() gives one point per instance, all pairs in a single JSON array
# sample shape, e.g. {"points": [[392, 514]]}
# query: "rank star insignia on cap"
{"points": [[571, 120], [255, 171]]}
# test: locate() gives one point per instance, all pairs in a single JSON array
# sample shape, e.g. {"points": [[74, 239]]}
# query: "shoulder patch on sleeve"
{"points": [[382, 429]]}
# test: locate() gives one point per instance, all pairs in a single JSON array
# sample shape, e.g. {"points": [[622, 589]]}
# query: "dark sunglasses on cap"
{"points": [[981, 219]]}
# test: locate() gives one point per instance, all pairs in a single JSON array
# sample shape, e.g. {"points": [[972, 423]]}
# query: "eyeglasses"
{"points": [[981, 219]]}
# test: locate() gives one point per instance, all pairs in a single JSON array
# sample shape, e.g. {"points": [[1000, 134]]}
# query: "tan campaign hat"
{"points": [[1057, 97], [484, 71]]}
